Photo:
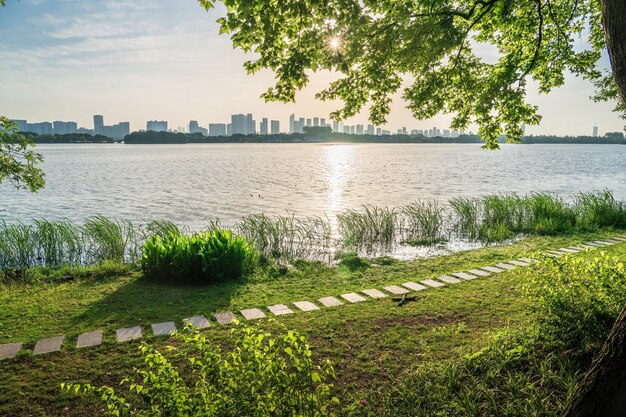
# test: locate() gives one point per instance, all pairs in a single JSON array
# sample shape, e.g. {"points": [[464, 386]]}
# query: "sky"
{"points": [[164, 59]]}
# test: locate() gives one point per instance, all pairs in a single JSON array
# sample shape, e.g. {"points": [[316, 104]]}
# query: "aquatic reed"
{"points": [[424, 222], [371, 228]]}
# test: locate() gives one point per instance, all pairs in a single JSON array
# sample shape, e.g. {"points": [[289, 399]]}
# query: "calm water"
{"points": [[189, 184]]}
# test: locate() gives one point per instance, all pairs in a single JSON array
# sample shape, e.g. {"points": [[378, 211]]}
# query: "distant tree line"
{"points": [[69, 138]]}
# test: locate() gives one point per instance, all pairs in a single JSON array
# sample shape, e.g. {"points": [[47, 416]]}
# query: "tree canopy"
{"points": [[18, 163], [379, 46]]}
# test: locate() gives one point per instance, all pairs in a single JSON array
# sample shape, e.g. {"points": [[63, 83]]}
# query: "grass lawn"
{"points": [[369, 343]]}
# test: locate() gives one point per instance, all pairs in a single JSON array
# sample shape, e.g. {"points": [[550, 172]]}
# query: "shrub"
{"points": [[199, 258], [577, 300], [263, 375]]}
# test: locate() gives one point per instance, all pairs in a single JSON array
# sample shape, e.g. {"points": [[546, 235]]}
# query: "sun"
{"points": [[334, 44]]}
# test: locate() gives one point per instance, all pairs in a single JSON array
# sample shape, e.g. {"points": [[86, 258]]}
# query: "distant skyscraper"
{"points": [[193, 126], [370, 129], [335, 126], [242, 124], [22, 125], [41, 128], [264, 127], [316, 121], [359, 129], [275, 127], [595, 131], [157, 125], [379, 131], [65, 128], [446, 133], [98, 124], [322, 122], [308, 122], [217, 129], [292, 123]]}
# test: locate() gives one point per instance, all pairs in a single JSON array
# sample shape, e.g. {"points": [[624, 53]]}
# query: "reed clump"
{"points": [[424, 223], [371, 228]]}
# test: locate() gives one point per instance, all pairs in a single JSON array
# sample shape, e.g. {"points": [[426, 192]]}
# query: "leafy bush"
{"points": [[577, 300], [263, 375], [199, 258]]}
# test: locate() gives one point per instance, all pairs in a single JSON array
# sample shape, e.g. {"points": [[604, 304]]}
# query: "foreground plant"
{"points": [[263, 375]]}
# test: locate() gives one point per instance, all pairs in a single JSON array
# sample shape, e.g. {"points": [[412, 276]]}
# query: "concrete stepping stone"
{"points": [[492, 269], [556, 252], [594, 244], [352, 297], [199, 322], [578, 248], [464, 275], [621, 239], [10, 350], [601, 242], [396, 289], [163, 329], [414, 286], [127, 334], [528, 260], [612, 240], [330, 302], [567, 250], [432, 283], [89, 339], [52, 344], [585, 246], [518, 263], [279, 309], [306, 305], [479, 273], [225, 318], [505, 266], [448, 279], [553, 255], [374, 293], [252, 313]]}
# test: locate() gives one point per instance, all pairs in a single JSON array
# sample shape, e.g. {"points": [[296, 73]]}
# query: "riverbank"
{"points": [[370, 343]]}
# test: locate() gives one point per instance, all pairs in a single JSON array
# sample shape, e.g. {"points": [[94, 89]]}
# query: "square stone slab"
{"points": [[279, 309], [601, 242], [567, 250], [9, 350], [395, 289], [374, 293], [464, 275], [330, 302], [448, 279], [518, 263], [306, 305], [479, 272], [352, 297], [554, 255], [585, 246], [528, 260], [432, 283], [492, 269], [594, 244], [621, 239], [556, 252], [252, 313], [52, 344], [225, 318], [163, 329], [612, 240], [89, 339], [505, 266], [199, 322], [414, 286], [129, 333]]}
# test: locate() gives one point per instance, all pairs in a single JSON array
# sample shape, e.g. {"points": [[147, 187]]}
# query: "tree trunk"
{"points": [[602, 392]]}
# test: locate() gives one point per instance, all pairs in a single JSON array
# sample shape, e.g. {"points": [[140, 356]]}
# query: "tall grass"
{"points": [[549, 214], [106, 239], [371, 228], [467, 214], [286, 237], [17, 246], [58, 242], [424, 222], [600, 209]]}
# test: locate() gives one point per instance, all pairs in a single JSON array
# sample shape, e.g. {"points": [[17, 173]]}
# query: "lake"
{"points": [[191, 184]]}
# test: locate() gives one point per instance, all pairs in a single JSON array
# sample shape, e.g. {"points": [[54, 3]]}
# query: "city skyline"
{"points": [[158, 60]]}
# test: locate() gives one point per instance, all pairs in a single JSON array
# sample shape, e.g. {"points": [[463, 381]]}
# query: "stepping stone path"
{"points": [[129, 333], [89, 339], [374, 293], [492, 269], [225, 317], [432, 283], [9, 350], [395, 289], [306, 305], [352, 297], [464, 275], [163, 329], [279, 309], [505, 266], [199, 322], [414, 286], [50, 345], [252, 313], [479, 273], [94, 338], [448, 279]]}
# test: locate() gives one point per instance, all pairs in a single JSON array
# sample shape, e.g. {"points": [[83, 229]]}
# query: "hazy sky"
{"points": [[163, 59]]}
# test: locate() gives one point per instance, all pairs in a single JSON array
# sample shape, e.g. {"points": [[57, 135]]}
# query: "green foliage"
{"points": [[198, 258], [600, 209], [467, 211], [377, 46], [18, 163], [58, 242], [549, 214], [424, 222], [576, 300], [263, 375], [352, 261], [371, 228], [106, 237]]}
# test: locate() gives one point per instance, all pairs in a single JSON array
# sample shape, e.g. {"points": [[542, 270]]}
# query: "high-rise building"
{"points": [[275, 126], [229, 129], [595, 131], [446, 133], [316, 121], [156, 125], [65, 128], [335, 126], [323, 122], [98, 124], [370, 129], [379, 131], [359, 129], [22, 125], [193, 126], [242, 124], [292, 123], [41, 128], [217, 129], [264, 127], [308, 122]]}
